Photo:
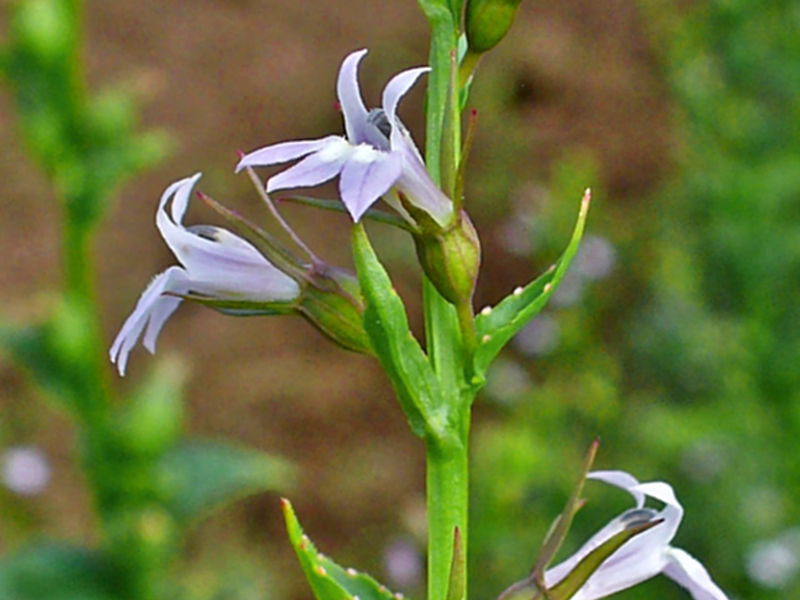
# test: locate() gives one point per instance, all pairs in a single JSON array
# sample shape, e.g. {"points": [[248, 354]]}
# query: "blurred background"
{"points": [[674, 338]]}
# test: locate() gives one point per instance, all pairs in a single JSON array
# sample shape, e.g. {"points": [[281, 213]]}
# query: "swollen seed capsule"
{"points": [[488, 21]]}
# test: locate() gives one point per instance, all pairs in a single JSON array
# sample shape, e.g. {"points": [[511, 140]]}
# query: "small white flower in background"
{"points": [[507, 381], [540, 336], [216, 264], [643, 556], [376, 159], [403, 563], [596, 257], [25, 470], [775, 563]]}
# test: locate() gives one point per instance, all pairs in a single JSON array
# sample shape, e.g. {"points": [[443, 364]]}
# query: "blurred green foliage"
{"points": [[696, 381], [148, 482]]}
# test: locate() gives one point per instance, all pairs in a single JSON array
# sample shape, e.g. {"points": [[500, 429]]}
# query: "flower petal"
{"points": [[415, 182], [620, 479], [555, 574], [349, 94], [397, 88], [152, 310], [687, 571], [672, 513], [180, 192], [366, 176], [217, 261], [315, 169], [283, 152]]}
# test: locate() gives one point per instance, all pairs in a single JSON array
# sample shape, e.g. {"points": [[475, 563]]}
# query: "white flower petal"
{"points": [[218, 261], [687, 571], [620, 479], [283, 152], [415, 182], [152, 305], [315, 169], [349, 94], [643, 556], [397, 87], [366, 176]]}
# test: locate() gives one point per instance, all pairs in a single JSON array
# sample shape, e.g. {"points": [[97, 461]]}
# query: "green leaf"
{"points": [[57, 355], [51, 571], [328, 580], [495, 326], [399, 353], [444, 38], [204, 475], [153, 418]]}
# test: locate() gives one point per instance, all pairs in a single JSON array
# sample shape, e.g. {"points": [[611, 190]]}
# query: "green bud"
{"points": [[46, 29], [488, 22], [451, 258], [332, 302]]}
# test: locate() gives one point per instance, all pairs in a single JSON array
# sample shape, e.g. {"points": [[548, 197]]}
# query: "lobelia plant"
{"points": [[435, 385]]}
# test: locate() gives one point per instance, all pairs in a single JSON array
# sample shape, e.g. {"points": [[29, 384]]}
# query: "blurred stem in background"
{"points": [[148, 482]]}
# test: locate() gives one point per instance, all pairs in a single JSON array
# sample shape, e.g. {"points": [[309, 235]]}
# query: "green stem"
{"points": [[466, 323], [447, 501]]}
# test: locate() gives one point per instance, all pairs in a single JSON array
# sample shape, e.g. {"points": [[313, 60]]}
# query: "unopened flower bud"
{"points": [[332, 303], [451, 258], [488, 21]]}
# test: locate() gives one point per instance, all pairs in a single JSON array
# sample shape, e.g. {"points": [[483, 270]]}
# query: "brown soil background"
{"points": [[226, 75]]}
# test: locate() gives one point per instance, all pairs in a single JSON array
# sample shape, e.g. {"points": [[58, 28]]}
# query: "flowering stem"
{"points": [[446, 330], [466, 323], [447, 495]]}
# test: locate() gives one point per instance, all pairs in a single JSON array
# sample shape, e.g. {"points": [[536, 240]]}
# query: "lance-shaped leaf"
{"points": [[399, 353], [495, 326], [203, 475], [328, 580]]}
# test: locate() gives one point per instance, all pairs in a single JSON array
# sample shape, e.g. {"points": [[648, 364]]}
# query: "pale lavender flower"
{"points": [[377, 158], [216, 264], [643, 556], [25, 470]]}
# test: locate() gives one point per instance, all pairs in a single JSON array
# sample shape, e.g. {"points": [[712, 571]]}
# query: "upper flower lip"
{"points": [[215, 263], [369, 164], [644, 555]]}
